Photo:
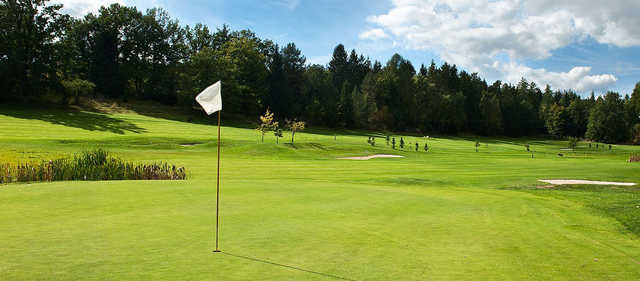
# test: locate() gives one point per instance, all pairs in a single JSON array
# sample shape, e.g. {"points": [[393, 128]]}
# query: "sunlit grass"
{"points": [[296, 212]]}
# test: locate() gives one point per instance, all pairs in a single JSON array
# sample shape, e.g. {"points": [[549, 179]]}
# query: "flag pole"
{"points": [[218, 187]]}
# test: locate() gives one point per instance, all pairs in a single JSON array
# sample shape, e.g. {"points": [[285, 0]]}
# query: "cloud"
{"points": [[492, 37], [289, 4], [80, 8], [321, 60], [376, 33], [578, 78]]}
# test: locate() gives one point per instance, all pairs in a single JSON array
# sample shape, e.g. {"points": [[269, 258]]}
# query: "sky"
{"points": [[582, 45]]}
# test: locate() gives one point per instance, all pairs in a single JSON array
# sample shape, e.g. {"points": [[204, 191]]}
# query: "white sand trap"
{"points": [[559, 182], [190, 144], [372, 156]]}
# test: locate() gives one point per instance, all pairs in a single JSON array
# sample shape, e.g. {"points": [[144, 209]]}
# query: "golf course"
{"points": [[296, 211]]}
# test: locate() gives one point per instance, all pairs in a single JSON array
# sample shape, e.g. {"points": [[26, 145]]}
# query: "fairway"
{"points": [[298, 212]]}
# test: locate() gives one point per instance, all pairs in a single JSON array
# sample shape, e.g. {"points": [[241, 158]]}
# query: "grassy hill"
{"points": [[297, 212]]}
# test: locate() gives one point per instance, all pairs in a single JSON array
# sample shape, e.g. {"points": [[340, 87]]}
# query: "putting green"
{"points": [[297, 212]]}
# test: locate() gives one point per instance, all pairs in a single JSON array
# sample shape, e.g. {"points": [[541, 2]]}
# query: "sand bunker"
{"points": [[190, 144], [559, 182], [372, 156]]}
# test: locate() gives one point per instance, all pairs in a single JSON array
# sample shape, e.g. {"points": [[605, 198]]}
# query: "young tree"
{"points": [[426, 147], [393, 143], [387, 140], [373, 141], [401, 143], [417, 146], [573, 142], [266, 123], [477, 145], [294, 126], [527, 147], [278, 133]]}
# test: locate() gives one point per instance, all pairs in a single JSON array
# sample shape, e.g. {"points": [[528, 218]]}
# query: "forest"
{"points": [[121, 53]]}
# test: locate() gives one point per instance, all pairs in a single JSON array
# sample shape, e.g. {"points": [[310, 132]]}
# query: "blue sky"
{"points": [[582, 45]]}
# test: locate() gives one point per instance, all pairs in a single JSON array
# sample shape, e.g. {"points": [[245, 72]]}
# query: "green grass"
{"points": [[295, 212]]}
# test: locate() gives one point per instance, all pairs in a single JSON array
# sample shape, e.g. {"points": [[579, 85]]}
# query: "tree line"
{"points": [[123, 53]]}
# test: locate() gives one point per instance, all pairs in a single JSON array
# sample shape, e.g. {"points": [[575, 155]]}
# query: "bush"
{"points": [[90, 165]]}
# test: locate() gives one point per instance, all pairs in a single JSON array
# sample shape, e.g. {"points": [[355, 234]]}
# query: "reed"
{"points": [[91, 166]]}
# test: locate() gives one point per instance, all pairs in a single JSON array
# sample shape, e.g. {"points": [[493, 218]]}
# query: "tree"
{"points": [[557, 121], [76, 88], [293, 63], [401, 143], [490, 114], [278, 133], [393, 143], [30, 31], [338, 66], [635, 134], [295, 126], [572, 142], [266, 124], [106, 45], [477, 145], [426, 147], [606, 121]]}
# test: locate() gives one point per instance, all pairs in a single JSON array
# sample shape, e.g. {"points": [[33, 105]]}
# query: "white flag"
{"points": [[211, 99]]}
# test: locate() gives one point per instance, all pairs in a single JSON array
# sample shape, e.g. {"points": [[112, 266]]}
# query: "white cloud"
{"points": [[321, 60], [376, 33], [578, 78], [289, 4], [487, 36], [79, 8]]}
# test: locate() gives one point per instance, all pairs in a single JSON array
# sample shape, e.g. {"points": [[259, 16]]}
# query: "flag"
{"points": [[210, 99]]}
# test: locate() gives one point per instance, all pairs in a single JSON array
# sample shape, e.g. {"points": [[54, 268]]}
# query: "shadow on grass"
{"points": [[193, 114], [78, 119], [286, 266]]}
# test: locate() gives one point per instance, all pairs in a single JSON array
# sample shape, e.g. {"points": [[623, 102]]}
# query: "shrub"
{"points": [[90, 165]]}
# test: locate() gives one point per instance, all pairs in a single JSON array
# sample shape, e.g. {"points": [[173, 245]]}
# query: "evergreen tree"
{"points": [[606, 121]]}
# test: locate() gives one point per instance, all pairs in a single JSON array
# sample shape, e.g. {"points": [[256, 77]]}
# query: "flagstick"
{"points": [[218, 186]]}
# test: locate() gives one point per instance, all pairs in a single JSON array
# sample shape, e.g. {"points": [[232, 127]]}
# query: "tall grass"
{"points": [[89, 165]]}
